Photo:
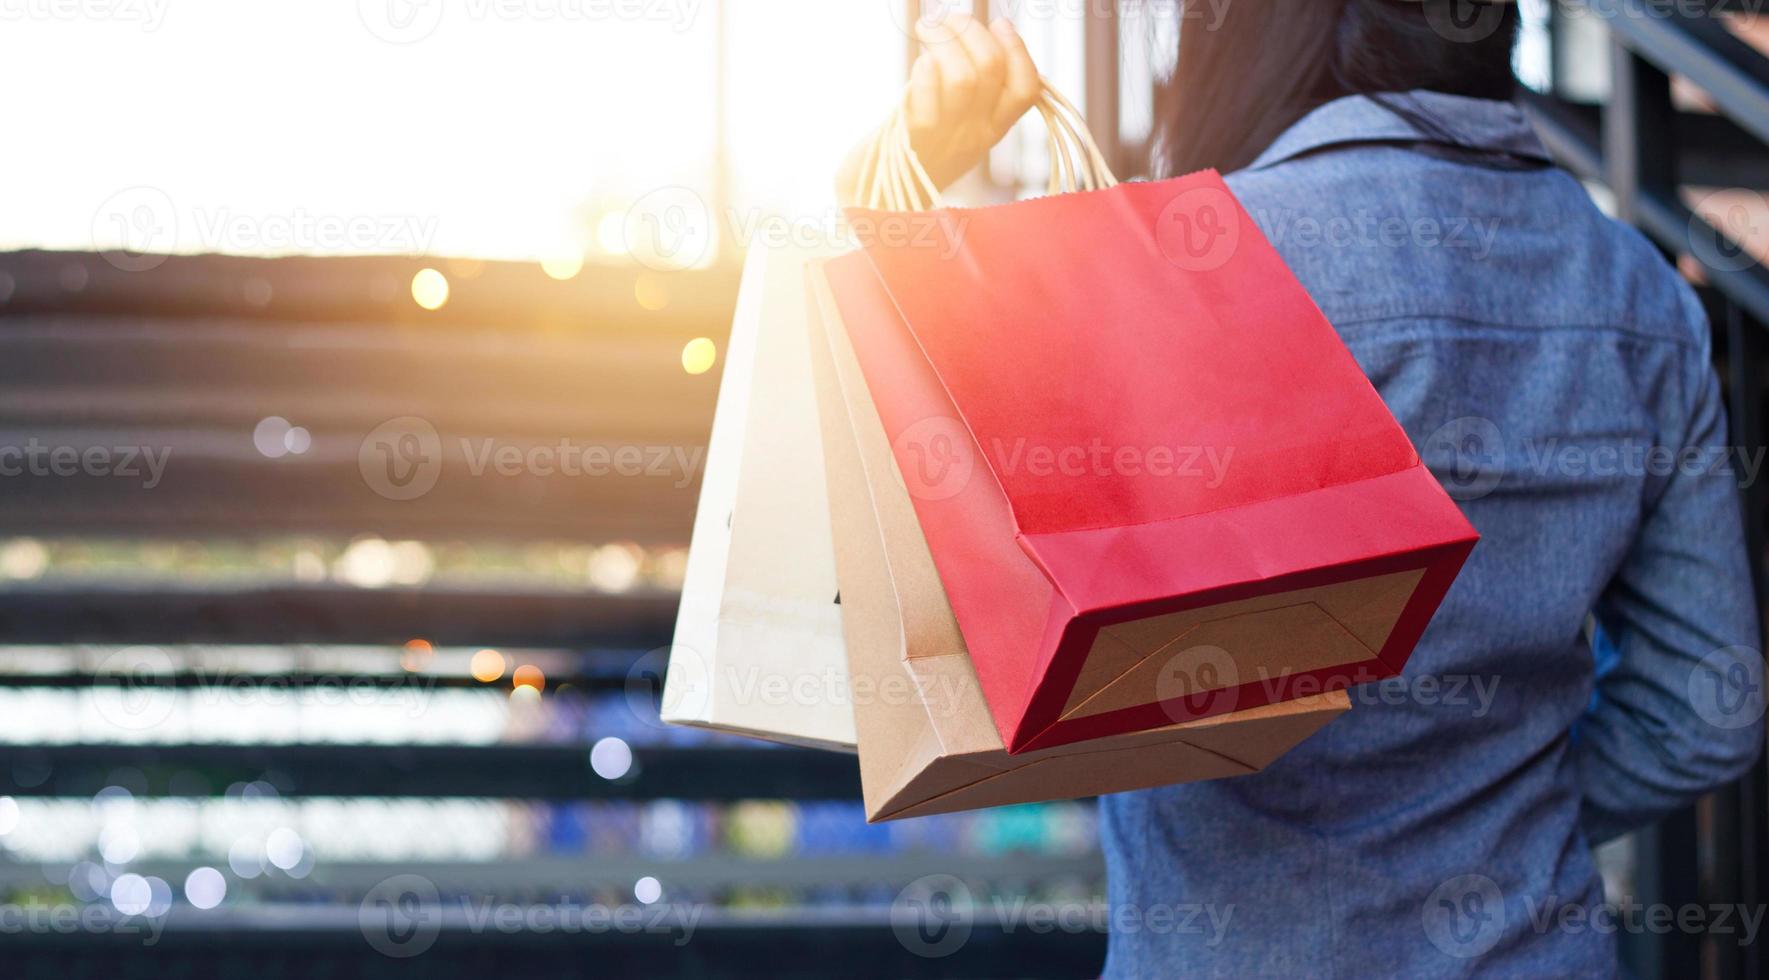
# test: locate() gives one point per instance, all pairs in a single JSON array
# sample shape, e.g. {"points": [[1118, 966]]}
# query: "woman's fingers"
{"points": [[989, 65], [958, 77], [1021, 85], [924, 95], [986, 78]]}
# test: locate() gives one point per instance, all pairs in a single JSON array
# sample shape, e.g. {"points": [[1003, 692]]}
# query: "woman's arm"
{"points": [[1681, 711]]}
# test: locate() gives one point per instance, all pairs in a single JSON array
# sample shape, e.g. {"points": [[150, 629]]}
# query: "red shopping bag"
{"points": [[1155, 484]]}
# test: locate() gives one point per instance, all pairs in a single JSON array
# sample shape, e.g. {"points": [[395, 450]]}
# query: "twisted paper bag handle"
{"points": [[892, 178]]}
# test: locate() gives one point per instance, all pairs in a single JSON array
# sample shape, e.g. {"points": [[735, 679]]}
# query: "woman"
{"points": [[1547, 361]]}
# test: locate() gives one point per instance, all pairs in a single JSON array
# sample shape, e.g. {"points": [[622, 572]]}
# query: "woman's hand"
{"points": [[968, 87]]}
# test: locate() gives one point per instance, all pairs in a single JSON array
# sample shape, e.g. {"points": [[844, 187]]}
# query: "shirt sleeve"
{"points": [[1680, 712]]}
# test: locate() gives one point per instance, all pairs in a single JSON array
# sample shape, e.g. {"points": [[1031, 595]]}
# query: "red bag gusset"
{"points": [[1155, 483]]}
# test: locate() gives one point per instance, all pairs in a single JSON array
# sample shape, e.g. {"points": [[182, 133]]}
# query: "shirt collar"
{"points": [[1480, 125]]}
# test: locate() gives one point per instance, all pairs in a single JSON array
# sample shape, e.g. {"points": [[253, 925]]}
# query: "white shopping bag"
{"points": [[758, 646]]}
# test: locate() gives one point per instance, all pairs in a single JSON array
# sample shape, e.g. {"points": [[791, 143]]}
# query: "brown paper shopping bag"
{"points": [[927, 741]]}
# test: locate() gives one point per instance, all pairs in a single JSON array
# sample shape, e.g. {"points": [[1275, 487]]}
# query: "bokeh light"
{"points": [[530, 676], [245, 858], [651, 293], [417, 655], [430, 289], [205, 887], [284, 848], [486, 666], [611, 758], [563, 266], [131, 894], [698, 355]]}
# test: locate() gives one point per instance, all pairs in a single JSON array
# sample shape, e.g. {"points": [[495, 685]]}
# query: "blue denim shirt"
{"points": [[1554, 372]]}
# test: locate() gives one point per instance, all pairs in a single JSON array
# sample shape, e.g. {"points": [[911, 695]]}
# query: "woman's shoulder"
{"points": [[1389, 227]]}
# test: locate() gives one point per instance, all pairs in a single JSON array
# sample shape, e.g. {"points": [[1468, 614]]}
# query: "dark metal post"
{"points": [[1745, 802], [1638, 143], [1101, 41]]}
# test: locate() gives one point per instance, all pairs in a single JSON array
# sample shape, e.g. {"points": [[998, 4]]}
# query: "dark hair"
{"points": [[1268, 63]]}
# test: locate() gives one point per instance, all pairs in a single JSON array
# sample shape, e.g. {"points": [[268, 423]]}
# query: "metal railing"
{"points": [[183, 359]]}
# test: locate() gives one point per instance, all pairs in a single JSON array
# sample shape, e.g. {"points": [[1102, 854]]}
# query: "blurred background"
{"points": [[300, 648]]}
